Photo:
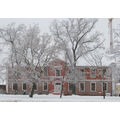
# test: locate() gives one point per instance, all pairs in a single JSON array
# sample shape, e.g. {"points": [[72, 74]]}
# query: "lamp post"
{"points": [[104, 71]]}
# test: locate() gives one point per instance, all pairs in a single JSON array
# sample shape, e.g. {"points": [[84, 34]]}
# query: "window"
{"points": [[24, 86], [57, 72], [93, 73], [15, 86], [17, 75], [93, 87], [45, 71], [81, 87], [45, 86], [70, 86], [104, 86], [104, 72], [82, 72]]}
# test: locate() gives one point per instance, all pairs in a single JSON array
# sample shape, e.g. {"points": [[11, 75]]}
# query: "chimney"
{"points": [[111, 35]]}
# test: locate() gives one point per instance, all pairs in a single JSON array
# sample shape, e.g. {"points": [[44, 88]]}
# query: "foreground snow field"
{"points": [[56, 98]]}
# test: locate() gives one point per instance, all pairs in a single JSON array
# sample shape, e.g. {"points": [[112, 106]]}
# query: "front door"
{"points": [[57, 87]]}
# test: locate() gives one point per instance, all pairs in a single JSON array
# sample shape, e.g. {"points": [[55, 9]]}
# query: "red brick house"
{"points": [[57, 76]]}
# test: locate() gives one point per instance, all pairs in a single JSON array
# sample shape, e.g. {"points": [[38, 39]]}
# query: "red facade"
{"points": [[90, 81]]}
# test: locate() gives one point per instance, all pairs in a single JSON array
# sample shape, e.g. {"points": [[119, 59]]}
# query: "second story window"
{"points": [[57, 72], [104, 72], [82, 72], [45, 71], [93, 73]]}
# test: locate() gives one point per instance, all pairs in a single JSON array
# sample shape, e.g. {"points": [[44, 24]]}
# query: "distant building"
{"points": [[57, 76], [2, 88], [115, 70]]}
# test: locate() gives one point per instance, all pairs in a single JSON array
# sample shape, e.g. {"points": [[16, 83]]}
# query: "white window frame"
{"points": [[82, 75], [80, 88], [43, 86], [106, 86], [22, 86], [58, 82], [47, 71], [55, 72], [91, 72], [91, 87]]}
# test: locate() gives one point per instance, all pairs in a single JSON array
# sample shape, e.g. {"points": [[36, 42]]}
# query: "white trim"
{"points": [[55, 85], [106, 86], [55, 72], [82, 75], [43, 86], [47, 72], [91, 71], [80, 88], [91, 87]]}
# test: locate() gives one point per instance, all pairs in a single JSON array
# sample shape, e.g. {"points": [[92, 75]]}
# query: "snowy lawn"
{"points": [[56, 98]]}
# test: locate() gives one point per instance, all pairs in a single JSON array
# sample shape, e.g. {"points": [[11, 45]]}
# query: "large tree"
{"points": [[29, 48], [77, 37]]}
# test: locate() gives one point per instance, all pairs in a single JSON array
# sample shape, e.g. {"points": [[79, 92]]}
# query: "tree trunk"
{"points": [[61, 90], [32, 91], [103, 90]]}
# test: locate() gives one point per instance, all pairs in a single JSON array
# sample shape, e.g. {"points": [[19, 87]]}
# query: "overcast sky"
{"points": [[101, 26]]}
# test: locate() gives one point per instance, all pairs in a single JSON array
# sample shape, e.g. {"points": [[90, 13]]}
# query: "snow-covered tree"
{"points": [[77, 37], [29, 49]]}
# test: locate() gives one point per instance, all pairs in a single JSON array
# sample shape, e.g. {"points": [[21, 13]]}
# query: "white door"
{"points": [[57, 87]]}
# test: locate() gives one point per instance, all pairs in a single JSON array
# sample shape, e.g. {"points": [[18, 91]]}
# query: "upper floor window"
{"points": [[16, 75], [93, 72], [82, 72], [57, 72], [45, 71], [104, 71]]}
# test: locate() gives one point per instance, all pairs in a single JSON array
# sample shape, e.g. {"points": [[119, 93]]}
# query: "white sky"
{"points": [[101, 26]]}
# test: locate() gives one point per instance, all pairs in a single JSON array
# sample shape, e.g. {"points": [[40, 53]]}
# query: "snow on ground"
{"points": [[56, 98]]}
